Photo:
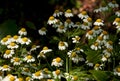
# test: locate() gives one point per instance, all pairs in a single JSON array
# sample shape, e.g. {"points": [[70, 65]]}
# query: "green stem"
{"points": [[67, 64], [49, 65]]}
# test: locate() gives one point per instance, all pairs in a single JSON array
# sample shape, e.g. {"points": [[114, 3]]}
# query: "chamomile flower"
{"points": [[113, 4], [97, 10], [34, 47], [9, 77], [105, 35], [46, 49], [62, 45], [97, 30], [16, 38], [68, 13], [95, 46], [61, 29], [78, 50], [41, 54], [12, 45], [29, 58], [76, 39], [109, 44], [98, 22], [8, 53], [22, 31], [5, 68], [42, 31], [57, 62], [117, 13], [57, 74], [104, 58], [28, 79], [116, 21], [90, 34], [16, 61], [117, 71], [118, 28], [5, 41], [57, 24], [107, 52], [46, 74], [25, 40], [77, 25], [100, 40], [50, 80], [68, 23], [57, 13], [88, 20], [74, 78], [83, 15], [37, 75], [19, 79], [98, 66], [85, 26], [90, 64], [52, 20]]}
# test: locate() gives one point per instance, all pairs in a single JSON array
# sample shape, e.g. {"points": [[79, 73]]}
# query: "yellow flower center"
{"points": [[100, 38], [118, 69], [57, 72], [89, 19], [58, 59], [77, 38], [68, 11], [5, 39], [5, 66], [16, 59], [75, 77], [97, 65], [43, 29], [45, 48], [61, 27], [7, 52], [98, 20], [68, 21], [61, 43], [12, 78], [37, 73], [23, 29], [56, 11], [51, 18], [96, 44], [78, 23], [90, 32], [20, 79], [27, 79], [12, 44], [73, 54], [33, 46], [45, 70], [77, 48], [25, 39], [9, 36], [117, 19], [26, 69], [85, 23], [110, 42], [105, 32], [15, 37], [49, 80], [29, 57], [96, 27], [109, 49], [84, 13]]}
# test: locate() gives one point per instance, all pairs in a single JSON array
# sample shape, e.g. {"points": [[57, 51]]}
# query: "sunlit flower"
{"points": [[22, 31], [29, 58], [95, 46], [116, 21], [68, 13], [12, 45], [5, 68], [15, 38], [117, 71], [50, 80], [99, 22], [61, 29], [83, 15], [113, 4], [42, 31], [19, 79], [25, 40], [117, 13], [85, 26], [16, 61], [46, 49], [57, 24], [28, 79], [34, 47], [9, 77], [68, 23], [8, 53], [57, 62], [78, 50], [76, 39], [105, 35], [57, 13], [52, 20], [88, 20], [62, 45], [5, 41], [97, 30], [37, 75], [57, 74], [98, 66], [90, 34], [104, 58]]}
